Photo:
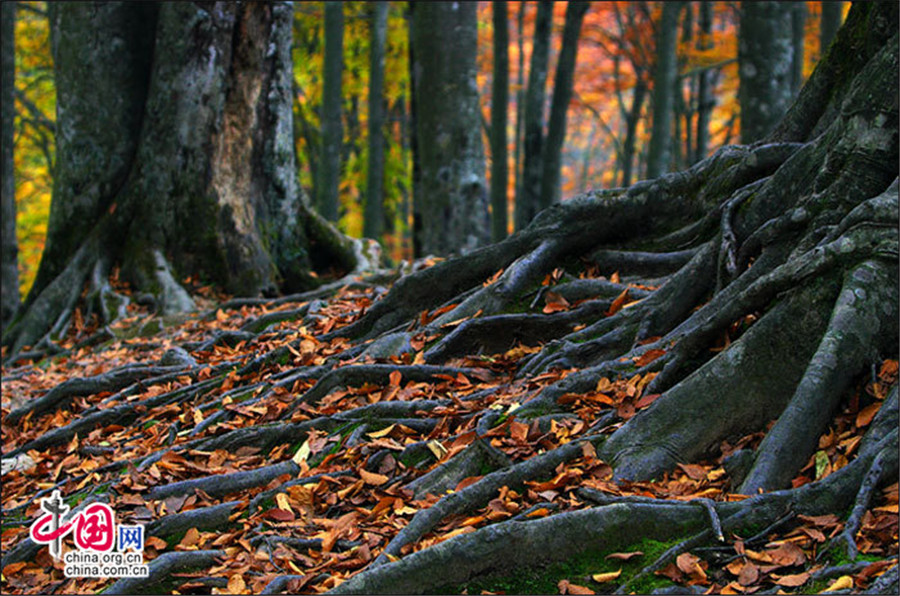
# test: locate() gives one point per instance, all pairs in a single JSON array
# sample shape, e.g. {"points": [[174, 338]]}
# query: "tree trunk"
{"points": [[10, 265], [765, 55], [190, 162], [634, 115], [562, 95], [454, 210], [499, 105], [705, 99], [798, 44], [832, 13], [528, 201], [417, 198], [520, 100], [332, 146], [374, 216], [663, 91]]}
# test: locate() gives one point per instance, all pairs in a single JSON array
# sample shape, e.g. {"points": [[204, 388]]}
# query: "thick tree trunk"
{"points": [[190, 162], [9, 302], [663, 91], [499, 108], [562, 95], [765, 56], [332, 146], [528, 200], [454, 211], [374, 216]]}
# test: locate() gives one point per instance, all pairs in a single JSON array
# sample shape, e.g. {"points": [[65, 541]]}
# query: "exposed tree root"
{"points": [[162, 568]]}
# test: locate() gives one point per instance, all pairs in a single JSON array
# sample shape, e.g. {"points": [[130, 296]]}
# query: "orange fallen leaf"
{"points": [[566, 587], [236, 584], [866, 415], [618, 303], [372, 478]]}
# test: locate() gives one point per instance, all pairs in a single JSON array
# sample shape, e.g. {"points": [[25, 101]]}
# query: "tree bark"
{"points": [[190, 162], [327, 200], [765, 55], [499, 108], [454, 204], [663, 91], [10, 265], [528, 200], [798, 43], [832, 13], [562, 95], [705, 98], [373, 224], [520, 100]]}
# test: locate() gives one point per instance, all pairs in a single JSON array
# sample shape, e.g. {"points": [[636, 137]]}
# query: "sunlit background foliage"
{"points": [[615, 50]]}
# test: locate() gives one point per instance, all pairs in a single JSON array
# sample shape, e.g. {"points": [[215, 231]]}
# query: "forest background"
{"points": [[613, 73]]}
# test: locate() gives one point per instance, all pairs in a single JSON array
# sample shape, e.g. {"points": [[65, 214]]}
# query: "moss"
{"points": [[544, 579], [416, 459]]}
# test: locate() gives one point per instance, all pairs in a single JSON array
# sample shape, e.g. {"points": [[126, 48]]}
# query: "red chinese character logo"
{"points": [[94, 529]]}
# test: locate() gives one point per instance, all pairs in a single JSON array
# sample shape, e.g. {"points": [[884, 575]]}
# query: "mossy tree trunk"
{"points": [[9, 263], [176, 158], [452, 192]]}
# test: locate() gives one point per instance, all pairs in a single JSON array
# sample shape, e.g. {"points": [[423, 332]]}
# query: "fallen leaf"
{"points": [[625, 556], [844, 582], [281, 500], [618, 303], [748, 575], [372, 478], [601, 578], [302, 453], [565, 587], [865, 416], [236, 584], [793, 581]]}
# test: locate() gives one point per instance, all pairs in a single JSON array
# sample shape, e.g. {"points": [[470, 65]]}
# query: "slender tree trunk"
{"points": [[663, 86], [634, 115], [765, 55], [332, 100], [9, 266], [417, 198], [832, 13], [520, 98], [499, 105], [454, 205], [705, 98], [798, 25], [528, 200], [562, 95], [373, 224]]}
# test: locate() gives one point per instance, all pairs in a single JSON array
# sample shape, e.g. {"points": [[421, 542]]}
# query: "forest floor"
{"points": [[313, 473]]}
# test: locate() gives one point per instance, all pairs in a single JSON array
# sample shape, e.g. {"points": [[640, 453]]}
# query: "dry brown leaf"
{"points": [[236, 584], [792, 581], [372, 478]]}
